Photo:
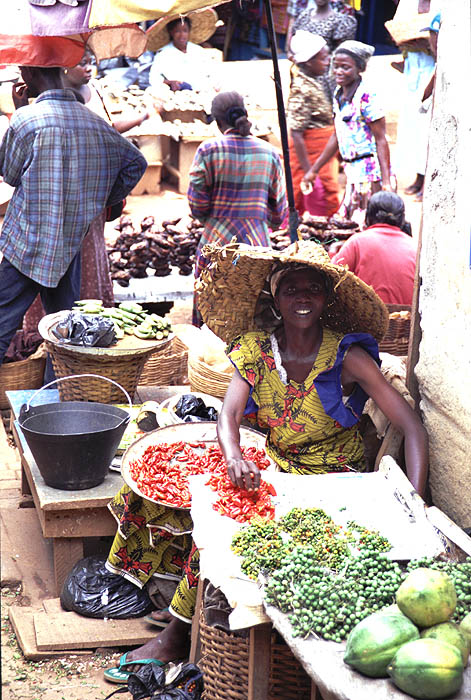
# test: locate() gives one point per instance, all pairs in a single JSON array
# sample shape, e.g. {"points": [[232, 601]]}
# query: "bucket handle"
{"points": [[75, 376]]}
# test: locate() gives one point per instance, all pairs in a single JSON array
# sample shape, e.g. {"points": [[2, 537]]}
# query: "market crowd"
{"points": [[302, 327]]}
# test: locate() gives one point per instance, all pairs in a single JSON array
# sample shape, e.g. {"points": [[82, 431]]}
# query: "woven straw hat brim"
{"points": [[405, 30], [229, 288], [203, 26]]}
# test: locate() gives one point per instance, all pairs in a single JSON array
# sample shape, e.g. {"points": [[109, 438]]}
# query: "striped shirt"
{"points": [[67, 164], [237, 177]]}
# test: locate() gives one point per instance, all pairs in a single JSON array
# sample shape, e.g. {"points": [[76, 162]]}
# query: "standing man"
{"points": [[66, 164]]}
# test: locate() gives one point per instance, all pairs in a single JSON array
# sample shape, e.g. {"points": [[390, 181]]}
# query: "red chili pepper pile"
{"points": [[163, 470]]}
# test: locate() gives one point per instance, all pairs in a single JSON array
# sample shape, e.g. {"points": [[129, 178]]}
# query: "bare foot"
{"points": [[172, 644], [162, 615], [416, 186]]}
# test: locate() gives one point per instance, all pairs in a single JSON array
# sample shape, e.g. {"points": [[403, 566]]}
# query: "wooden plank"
{"points": [[195, 647], [415, 334], [52, 606], [259, 661], [68, 630], [22, 620], [67, 552], [93, 522]]}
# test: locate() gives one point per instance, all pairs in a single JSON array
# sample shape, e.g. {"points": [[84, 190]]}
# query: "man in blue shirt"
{"points": [[66, 164]]}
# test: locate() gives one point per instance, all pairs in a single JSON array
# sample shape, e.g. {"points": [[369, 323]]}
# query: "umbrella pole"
{"points": [[293, 214]]}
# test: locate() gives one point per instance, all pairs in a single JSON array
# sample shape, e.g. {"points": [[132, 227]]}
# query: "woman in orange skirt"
{"points": [[310, 123]]}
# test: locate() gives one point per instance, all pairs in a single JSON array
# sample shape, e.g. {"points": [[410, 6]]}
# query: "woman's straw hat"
{"points": [[233, 294], [203, 26]]}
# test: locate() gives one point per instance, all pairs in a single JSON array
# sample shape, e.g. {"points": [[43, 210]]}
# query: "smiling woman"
{"points": [[303, 340]]}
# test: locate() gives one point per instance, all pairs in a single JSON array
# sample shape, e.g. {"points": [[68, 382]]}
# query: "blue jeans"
{"points": [[17, 293]]}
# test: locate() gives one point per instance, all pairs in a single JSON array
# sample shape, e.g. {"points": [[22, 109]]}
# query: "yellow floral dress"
{"points": [[312, 427]]}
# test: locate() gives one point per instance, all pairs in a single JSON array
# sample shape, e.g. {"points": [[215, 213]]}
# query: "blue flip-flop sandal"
{"points": [[157, 623], [117, 674]]}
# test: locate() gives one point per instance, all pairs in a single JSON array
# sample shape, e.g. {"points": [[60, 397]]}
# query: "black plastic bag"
{"points": [[87, 330], [192, 408], [182, 682], [93, 591]]}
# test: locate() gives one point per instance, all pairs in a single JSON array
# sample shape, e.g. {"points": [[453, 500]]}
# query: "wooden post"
{"points": [[195, 648], [415, 330], [259, 661]]}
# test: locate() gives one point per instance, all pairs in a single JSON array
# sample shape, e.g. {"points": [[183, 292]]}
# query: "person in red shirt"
{"points": [[384, 254]]}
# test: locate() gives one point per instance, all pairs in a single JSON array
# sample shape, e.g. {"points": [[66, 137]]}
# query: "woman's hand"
{"points": [[20, 95], [174, 85], [310, 176], [244, 475]]}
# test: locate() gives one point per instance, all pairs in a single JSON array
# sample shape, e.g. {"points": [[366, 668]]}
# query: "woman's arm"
{"points": [[330, 150], [123, 125], [301, 150], [245, 475], [359, 367], [378, 129]]}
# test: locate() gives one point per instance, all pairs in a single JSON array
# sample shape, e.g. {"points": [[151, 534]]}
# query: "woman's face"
{"points": [[81, 73], [319, 64], [301, 297], [180, 35], [345, 69], [322, 3]]}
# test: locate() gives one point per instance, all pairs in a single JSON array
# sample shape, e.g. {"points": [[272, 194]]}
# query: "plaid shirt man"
{"points": [[67, 165]]}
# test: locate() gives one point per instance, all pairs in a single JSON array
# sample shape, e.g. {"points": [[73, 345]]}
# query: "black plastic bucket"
{"points": [[73, 442]]}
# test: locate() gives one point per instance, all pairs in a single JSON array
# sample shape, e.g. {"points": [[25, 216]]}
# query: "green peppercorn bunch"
{"points": [[460, 573], [329, 603], [365, 538], [261, 546]]}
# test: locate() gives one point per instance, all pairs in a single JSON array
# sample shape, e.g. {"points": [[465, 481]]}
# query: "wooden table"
{"points": [[67, 517]]}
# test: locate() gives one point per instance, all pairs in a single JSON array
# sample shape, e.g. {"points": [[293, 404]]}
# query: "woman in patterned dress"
{"points": [[360, 133], [309, 116], [308, 369], [333, 21]]}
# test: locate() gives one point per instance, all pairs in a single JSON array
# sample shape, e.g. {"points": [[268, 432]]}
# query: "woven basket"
{"points": [[17, 376], [167, 367], [396, 340], [204, 378], [225, 665], [125, 370]]}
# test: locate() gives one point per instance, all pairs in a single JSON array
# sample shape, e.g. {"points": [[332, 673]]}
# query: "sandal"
{"points": [[157, 623], [118, 675]]}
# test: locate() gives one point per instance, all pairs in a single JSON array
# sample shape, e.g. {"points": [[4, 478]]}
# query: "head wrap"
{"points": [[305, 45], [361, 53]]}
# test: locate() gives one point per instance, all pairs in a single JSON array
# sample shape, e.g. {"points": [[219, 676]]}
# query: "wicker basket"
{"points": [[396, 340], [225, 664], [17, 376], [167, 367], [204, 378]]}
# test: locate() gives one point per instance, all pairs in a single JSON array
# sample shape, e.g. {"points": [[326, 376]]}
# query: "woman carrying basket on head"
{"points": [[303, 337]]}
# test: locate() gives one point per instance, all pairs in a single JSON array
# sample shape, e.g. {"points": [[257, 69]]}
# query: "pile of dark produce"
{"points": [[153, 246], [318, 228]]}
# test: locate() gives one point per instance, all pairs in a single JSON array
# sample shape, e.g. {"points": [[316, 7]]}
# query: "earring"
{"points": [[65, 71], [275, 313]]}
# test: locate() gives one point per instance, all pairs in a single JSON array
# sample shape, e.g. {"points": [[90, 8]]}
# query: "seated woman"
{"points": [[180, 63], [383, 255], [303, 338]]}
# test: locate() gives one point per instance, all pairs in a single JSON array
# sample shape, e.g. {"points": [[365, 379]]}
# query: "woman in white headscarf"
{"points": [[360, 132], [309, 114]]}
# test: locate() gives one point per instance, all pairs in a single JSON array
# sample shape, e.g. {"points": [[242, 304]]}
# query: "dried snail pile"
{"points": [[319, 228], [153, 246]]}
